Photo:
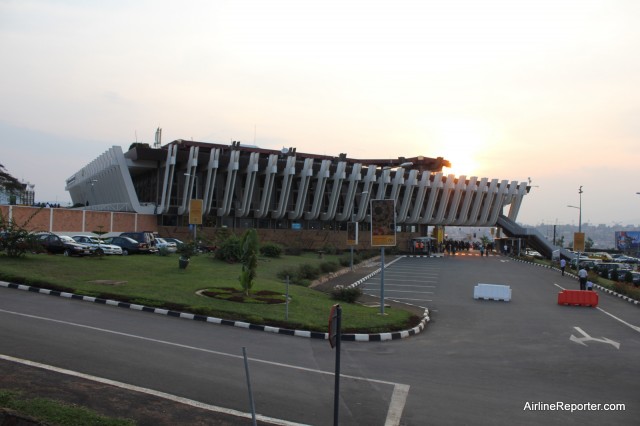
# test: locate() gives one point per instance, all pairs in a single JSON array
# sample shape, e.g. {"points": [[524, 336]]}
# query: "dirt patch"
{"points": [[231, 294]]}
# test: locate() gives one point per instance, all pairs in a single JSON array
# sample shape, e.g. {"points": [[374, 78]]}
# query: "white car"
{"points": [[161, 244], [96, 244]]}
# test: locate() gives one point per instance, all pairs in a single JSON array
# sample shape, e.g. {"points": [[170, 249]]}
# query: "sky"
{"points": [[546, 90]]}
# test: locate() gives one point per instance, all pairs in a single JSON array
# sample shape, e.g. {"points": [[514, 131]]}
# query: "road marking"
{"points": [[633, 327], [147, 391], [587, 338], [398, 399], [179, 345]]}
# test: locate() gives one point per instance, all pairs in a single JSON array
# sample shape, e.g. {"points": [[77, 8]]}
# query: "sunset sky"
{"points": [[509, 89]]}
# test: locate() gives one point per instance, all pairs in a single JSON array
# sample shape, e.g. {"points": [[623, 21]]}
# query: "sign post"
{"points": [[383, 233], [335, 335], [352, 238], [195, 215]]}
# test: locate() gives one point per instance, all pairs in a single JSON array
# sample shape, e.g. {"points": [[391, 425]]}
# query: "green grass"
{"points": [[157, 281], [55, 412]]}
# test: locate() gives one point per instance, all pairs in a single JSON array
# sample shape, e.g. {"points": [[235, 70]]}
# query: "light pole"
{"points": [[579, 207]]}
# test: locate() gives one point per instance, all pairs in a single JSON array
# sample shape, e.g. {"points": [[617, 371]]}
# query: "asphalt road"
{"points": [[477, 362]]}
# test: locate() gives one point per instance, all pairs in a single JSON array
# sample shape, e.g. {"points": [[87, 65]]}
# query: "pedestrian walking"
{"points": [[582, 277], [563, 265]]}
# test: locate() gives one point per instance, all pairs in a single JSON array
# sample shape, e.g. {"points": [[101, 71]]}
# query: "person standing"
{"points": [[563, 265], [582, 277]]}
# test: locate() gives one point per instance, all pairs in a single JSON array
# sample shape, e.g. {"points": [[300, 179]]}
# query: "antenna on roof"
{"points": [[158, 141]]}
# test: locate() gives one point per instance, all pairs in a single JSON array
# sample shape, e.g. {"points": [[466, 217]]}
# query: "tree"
{"points": [[588, 245], [15, 238], [560, 242], [8, 183], [249, 259]]}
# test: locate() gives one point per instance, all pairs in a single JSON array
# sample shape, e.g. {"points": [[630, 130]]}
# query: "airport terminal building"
{"points": [[245, 186]]}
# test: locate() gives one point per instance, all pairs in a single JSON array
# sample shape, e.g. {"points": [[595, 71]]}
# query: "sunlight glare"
{"points": [[462, 142]]}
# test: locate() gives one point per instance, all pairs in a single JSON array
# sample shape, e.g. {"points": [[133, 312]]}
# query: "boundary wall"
{"points": [[63, 220]]}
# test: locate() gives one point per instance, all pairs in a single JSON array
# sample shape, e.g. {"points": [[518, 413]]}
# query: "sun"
{"points": [[462, 142]]}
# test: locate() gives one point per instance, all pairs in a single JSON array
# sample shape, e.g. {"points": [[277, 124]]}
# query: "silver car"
{"points": [[96, 244]]}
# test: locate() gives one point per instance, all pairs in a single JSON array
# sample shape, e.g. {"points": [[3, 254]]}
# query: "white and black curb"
{"points": [[277, 330], [598, 286]]}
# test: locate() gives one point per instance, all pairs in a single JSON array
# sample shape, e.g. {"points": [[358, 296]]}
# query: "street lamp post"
{"points": [[579, 207]]}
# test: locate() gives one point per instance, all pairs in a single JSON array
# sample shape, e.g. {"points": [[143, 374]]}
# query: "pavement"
{"points": [[360, 272]]}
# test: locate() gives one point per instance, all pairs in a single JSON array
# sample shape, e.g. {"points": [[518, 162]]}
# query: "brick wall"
{"points": [[71, 221]]}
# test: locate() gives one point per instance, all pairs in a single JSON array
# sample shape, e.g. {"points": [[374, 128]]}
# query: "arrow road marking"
{"points": [[587, 338]]}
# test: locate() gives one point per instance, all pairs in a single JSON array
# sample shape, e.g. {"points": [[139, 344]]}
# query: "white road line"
{"points": [[633, 327], [164, 342], [152, 392], [398, 399]]}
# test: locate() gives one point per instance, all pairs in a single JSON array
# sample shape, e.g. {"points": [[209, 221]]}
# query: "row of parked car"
{"points": [[615, 267], [123, 244]]}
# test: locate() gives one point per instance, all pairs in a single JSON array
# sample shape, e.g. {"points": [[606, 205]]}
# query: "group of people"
{"points": [[583, 276]]}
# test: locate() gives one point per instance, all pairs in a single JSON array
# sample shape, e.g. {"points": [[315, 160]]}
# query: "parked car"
{"points": [[573, 261], [97, 245], [592, 264], [609, 266], [173, 240], [56, 244], [147, 237], [129, 245], [533, 253], [169, 246]]}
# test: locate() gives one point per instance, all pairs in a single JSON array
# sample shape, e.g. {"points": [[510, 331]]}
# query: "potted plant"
{"points": [[185, 250]]}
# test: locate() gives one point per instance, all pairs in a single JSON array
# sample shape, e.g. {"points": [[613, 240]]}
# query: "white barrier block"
{"points": [[492, 292]]}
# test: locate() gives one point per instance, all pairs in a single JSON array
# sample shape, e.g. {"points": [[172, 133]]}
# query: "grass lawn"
{"points": [[157, 281], [56, 412]]}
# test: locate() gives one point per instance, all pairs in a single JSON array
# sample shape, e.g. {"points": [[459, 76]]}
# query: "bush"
{"points": [[287, 272], [345, 260], [614, 275], [308, 272], [230, 250], [163, 251], [328, 267], [270, 250], [346, 294], [330, 249]]}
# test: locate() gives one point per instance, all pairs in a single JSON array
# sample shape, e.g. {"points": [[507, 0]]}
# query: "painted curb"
{"points": [[379, 337], [598, 286]]}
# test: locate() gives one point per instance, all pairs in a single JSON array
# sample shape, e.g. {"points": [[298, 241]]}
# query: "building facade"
{"points": [[245, 186]]}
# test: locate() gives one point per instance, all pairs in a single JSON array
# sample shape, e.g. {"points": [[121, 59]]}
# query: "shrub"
{"points": [[270, 250], [308, 272], [346, 294], [163, 251], [330, 249], [614, 275], [628, 277], [327, 267], [230, 250], [287, 272]]}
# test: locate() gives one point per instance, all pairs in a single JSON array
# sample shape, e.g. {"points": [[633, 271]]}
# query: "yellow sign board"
{"points": [[195, 212], [383, 223], [578, 241]]}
